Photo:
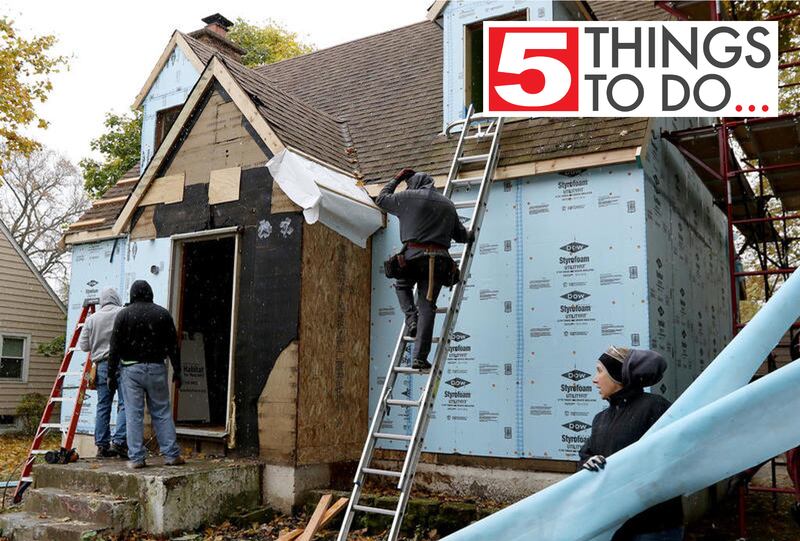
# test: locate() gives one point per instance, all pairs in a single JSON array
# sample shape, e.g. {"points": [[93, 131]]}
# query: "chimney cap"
{"points": [[218, 19]]}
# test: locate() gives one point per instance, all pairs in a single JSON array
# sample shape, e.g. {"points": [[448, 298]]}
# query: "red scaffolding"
{"points": [[770, 148]]}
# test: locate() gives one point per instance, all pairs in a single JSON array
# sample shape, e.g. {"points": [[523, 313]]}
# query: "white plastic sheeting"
{"points": [[326, 196]]}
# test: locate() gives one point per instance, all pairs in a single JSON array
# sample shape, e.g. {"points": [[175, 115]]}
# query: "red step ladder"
{"points": [[56, 396]]}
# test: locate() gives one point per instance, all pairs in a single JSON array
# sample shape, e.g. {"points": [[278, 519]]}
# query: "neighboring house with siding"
{"points": [[30, 314]]}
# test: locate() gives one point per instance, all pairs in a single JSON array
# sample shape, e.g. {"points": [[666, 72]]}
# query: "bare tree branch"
{"points": [[40, 196]]}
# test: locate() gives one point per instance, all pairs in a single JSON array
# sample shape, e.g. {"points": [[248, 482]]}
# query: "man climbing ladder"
{"points": [[415, 328], [428, 220]]}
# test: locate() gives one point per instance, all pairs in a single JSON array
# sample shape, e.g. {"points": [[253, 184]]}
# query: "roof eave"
{"points": [[436, 10]]}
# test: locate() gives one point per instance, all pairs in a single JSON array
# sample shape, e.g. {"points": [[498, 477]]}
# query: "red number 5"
{"points": [[544, 51]]}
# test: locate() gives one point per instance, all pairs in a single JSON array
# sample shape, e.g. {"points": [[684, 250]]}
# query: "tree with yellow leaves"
{"points": [[25, 67]]}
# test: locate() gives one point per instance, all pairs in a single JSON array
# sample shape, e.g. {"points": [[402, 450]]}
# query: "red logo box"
{"points": [[532, 69]]}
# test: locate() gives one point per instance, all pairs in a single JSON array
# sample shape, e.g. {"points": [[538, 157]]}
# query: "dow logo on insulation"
{"points": [[457, 383], [575, 375], [459, 336], [576, 426], [575, 296], [574, 247]]}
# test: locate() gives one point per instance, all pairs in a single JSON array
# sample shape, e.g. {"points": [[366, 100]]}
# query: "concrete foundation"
{"points": [[486, 483], [71, 501], [283, 487]]}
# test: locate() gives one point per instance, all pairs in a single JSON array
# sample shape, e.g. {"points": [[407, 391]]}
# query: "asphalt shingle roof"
{"points": [[374, 105]]}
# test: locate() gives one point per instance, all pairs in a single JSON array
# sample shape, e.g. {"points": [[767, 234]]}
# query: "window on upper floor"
{"points": [[165, 118], [13, 357], [473, 58]]}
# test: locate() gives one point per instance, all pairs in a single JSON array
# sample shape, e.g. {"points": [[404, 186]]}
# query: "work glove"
{"points": [[404, 174], [471, 237], [595, 463], [111, 382], [177, 380]]}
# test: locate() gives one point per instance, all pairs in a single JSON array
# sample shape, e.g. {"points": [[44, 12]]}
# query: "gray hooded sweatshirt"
{"points": [[96, 333]]}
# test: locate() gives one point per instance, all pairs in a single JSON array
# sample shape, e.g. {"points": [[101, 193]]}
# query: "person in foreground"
{"points": [[143, 337], [622, 374], [428, 222], [96, 338]]}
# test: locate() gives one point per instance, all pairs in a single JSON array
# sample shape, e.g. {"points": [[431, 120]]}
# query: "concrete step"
{"points": [[32, 527], [170, 498], [113, 511]]}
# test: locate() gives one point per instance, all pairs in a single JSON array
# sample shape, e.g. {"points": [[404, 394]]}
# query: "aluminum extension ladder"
{"points": [[57, 396], [428, 395]]}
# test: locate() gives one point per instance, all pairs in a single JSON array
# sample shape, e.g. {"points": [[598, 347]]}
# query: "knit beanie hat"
{"points": [[613, 360]]}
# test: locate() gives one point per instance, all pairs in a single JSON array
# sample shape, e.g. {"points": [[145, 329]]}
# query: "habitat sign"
{"points": [[631, 68]]}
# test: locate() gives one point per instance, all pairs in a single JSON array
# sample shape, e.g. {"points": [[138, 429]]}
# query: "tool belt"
{"points": [[441, 266]]}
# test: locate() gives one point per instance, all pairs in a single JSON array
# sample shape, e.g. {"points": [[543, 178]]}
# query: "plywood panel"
{"points": [[334, 348], [217, 140], [277, 410], [224, 185], [167, 189]]}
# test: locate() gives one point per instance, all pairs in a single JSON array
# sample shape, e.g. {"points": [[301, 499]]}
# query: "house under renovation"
{"points": [[250, 215]]}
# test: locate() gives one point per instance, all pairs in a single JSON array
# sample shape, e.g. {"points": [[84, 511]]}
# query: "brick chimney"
{"points": [[215, 34], [218, 24]]}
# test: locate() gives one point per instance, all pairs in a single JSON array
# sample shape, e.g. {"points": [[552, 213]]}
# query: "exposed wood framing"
{"points": [[436, 9], [82, 237], [109, 201], [167, 190], [176, 40], [215, 70], [86, 223], [512, 172]]}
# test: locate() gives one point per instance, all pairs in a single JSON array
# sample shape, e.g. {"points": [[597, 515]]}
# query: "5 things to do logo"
{"points": [[631, 68]]}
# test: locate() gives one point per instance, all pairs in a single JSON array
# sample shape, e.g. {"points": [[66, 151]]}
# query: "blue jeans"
{"points": [[675, 534], [148, 381], [105, 399]]}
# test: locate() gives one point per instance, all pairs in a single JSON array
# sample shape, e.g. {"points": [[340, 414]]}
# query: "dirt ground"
{"points": [[767, 518]]}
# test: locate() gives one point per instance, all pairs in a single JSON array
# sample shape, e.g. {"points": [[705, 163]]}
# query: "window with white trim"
{"points": [[13, 356]]}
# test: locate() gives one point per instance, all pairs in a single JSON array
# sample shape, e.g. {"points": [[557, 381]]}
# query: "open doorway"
{"points": [[204, 304]]}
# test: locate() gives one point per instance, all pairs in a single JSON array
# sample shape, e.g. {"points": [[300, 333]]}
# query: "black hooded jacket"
{"points": [[143, 332], [425, 215], [631, 413]]}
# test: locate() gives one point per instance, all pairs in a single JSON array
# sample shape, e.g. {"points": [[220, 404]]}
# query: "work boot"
{"points": [[411, 329], [177, 461], [136, 465], [104, 451], [421, 364], [120, 449]]}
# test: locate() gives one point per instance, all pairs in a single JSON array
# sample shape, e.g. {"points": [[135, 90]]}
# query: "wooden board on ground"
{"points": [[316, 518], [329, 515]]}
